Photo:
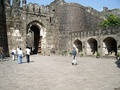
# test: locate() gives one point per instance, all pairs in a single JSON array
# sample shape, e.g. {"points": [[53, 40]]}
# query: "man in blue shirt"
{"points": [[74, 53]]}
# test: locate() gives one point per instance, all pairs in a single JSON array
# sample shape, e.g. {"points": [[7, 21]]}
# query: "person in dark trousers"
{"points": [[28, 54], [1, 53], [74, 53]]}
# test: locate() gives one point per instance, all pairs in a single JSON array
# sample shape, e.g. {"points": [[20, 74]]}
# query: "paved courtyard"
{"points": [[57, 73]]}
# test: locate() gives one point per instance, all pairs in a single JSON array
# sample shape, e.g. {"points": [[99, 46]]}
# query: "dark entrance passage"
{"points": [[111, 45], [78, 44], [93, 45], [34, 39]]}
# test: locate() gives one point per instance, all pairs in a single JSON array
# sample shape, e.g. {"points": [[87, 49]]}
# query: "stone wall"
{"points": [[3, 32], [75, 18], [59, 24]]}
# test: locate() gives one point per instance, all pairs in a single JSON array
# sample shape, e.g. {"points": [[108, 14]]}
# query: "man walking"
{"points": [[20, 56], [28, 54], [74, 53]]}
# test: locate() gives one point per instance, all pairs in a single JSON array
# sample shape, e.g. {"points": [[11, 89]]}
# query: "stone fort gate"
{"points": [[35, 35]]}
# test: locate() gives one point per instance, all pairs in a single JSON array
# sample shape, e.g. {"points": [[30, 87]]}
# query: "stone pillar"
{"points": [[3, 30], [24, 5]]}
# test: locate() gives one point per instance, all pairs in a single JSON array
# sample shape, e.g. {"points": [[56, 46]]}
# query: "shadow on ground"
{"points": [[27, 62], [118, 64], [117, 88]]}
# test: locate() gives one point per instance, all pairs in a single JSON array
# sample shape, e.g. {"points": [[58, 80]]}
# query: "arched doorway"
{"points": [[109, 46], [91, 46], [78, 44], [33, 39]]}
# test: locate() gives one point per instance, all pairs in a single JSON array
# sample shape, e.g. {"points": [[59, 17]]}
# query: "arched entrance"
{"points": [[109, 46], [78, 44], [91, 46], [33, 39]]}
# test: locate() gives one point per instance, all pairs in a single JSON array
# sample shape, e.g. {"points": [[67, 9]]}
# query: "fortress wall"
{"points": [[63, 21], [3, 31], [72, 17]]}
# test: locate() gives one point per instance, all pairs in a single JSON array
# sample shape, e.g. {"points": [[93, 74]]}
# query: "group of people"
{"points": [[19, 54]]}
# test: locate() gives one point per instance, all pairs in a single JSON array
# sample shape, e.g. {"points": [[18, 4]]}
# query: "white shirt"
{"points": [[18, 49], [20, 52], [28, 51]]}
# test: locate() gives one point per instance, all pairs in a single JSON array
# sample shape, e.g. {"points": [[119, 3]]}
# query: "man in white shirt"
{"points": [[20, 56], [18, 48], [28, 54]]}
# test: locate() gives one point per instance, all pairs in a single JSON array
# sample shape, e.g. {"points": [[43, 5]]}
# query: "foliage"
{"points": [[81, 54], [70, 53], [97, 54], [111, 21], [118, 54], [64, 52]]}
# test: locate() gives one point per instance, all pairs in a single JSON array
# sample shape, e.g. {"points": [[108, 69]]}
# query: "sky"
{"points": [[96, 4]]}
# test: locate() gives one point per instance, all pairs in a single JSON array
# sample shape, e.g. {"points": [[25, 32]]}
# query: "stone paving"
{"points": [[57, 73]]}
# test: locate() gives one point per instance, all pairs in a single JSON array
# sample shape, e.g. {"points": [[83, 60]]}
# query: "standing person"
{"points": [[18, 48], [74, 53], [28, 54], [1, 53], [13, 54], [20, 56]]}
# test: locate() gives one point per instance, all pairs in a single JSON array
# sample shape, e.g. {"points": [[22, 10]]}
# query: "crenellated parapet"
{"points": [[35, 8], [98, 32]]}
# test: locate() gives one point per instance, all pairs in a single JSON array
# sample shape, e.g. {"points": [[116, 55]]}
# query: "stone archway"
{"points": [[34, 37], [92, 46], [78, 45], [110, 46]]}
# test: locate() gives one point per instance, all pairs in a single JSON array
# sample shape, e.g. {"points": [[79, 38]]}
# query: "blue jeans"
{"points": [[19, 58], [74, 56], [1, 56]]}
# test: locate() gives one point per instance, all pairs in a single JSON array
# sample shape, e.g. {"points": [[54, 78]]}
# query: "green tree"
{"points": [[111, 21]]}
